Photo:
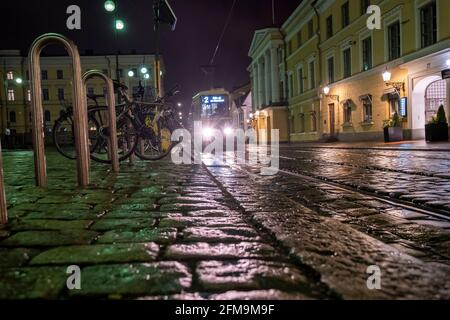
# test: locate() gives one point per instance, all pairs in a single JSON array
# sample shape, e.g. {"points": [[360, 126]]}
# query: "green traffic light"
{"points": [[110, 5], [120, 25]]}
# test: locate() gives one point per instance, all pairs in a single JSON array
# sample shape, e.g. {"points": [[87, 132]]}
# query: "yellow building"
{"points": [[345, 80], [15, 96]]}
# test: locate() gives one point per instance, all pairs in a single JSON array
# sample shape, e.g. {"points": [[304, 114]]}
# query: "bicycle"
{"points": [[143, 128]]}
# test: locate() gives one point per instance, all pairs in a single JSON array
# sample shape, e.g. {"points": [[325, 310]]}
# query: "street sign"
{"points": [[446, 74]]}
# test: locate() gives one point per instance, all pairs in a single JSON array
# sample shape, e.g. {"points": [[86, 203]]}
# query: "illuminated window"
{"points": [[28, 95], [10, 75], [11, 95]]}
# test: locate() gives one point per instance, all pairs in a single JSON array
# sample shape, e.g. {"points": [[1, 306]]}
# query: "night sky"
{"points": [[200, 23]]}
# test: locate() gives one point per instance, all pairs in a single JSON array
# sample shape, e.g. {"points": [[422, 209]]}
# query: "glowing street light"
{"points": [[144, 70], [387, 76], [179, 104], [146, 76], [120, 25], [131, 73], [326, 90], [19, 81], [110, 5]]}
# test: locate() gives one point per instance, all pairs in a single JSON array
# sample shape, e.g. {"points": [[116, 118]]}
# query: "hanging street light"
{"points": [[120, 25], [110, 5]]}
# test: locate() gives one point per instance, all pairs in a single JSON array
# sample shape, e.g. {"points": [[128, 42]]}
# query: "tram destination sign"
{"points": [[446, 74]]}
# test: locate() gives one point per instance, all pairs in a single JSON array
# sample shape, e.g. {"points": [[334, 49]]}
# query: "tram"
{"points": [[213, 109]]}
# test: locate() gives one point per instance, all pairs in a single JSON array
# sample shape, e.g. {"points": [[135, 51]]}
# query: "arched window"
{"points": [[47, 116], [435, 95], [12, 117]]}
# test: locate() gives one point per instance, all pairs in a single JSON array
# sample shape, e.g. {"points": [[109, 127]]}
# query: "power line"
{"points": [[223, 32]]}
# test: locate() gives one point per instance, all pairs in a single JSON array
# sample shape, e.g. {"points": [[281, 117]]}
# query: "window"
{"points": [[10, 75], [301, 83], [367, 109], [301, 123], [310, 29], [90, 91], [345, 15], [45, 95], [47, 116], [313, 121], [347, 57], [347, 112], [329, 27], [394, 40], [27, 74], [44, 75], [59, 74], [394, 103], [364, 5], [289, 47], [12, 117], [330, 65], [299, 39], [11, 95], [291, 86], [312, 75], [428, 25], [28, 95], [60, 93], [367, 53]]}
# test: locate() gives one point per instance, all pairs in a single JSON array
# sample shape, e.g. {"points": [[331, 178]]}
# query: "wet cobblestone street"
{"points": [[160, 231]]}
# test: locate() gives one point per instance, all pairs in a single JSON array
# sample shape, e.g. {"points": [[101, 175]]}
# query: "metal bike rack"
{"points": [[79, 109], [3, 207], [112, 121]]}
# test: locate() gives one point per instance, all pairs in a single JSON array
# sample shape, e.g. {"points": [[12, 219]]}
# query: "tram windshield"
{"points": [[214, 106]]}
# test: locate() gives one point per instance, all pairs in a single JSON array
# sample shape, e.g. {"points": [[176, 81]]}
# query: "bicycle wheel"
{"points": [[127, 136], [155, 141], [64, 138]]}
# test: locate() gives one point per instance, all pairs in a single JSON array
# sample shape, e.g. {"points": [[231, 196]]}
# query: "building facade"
{"points": [[345, 81], [241, 107], [268, 82], [15, 95]]}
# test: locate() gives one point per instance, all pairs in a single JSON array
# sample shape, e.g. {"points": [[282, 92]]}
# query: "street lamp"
{"points": [[120, 25], [110, 5], [326, 92], [179, 104], [146, 76], [144, 70], [19, 80], [131, 73], [396, 85]]}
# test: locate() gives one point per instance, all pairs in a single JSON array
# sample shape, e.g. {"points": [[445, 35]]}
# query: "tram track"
{"points": [[426, 210]]}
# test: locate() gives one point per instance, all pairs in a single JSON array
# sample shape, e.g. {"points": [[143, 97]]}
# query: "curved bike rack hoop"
{"points": [[79, 109], [112, 142], [3, 208]]}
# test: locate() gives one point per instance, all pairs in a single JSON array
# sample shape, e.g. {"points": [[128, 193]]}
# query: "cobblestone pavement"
{"points": [[158, 231], [421, 177]]}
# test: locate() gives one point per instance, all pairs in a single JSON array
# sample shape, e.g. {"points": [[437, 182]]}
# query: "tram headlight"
{"points": [[208, 132], [228, 131]]}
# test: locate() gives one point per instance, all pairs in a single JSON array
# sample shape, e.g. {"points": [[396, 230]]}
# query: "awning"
{"points": [[391, 93], [366, 97], [347, 101]]}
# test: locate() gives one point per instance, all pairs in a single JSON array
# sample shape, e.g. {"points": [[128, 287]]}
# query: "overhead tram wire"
{"points": [[223, 33]]}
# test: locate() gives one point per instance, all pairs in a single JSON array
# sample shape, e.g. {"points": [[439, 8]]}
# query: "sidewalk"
{"points": [[416, 145], [153, 231]]}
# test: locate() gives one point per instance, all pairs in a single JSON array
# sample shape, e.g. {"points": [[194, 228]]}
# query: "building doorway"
{"points": [[332, 120], [418, 118], [435, 96]]}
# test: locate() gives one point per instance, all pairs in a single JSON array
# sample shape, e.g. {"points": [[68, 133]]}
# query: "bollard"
{"points": [[112, 121], [3, 207], [79, 109]]}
